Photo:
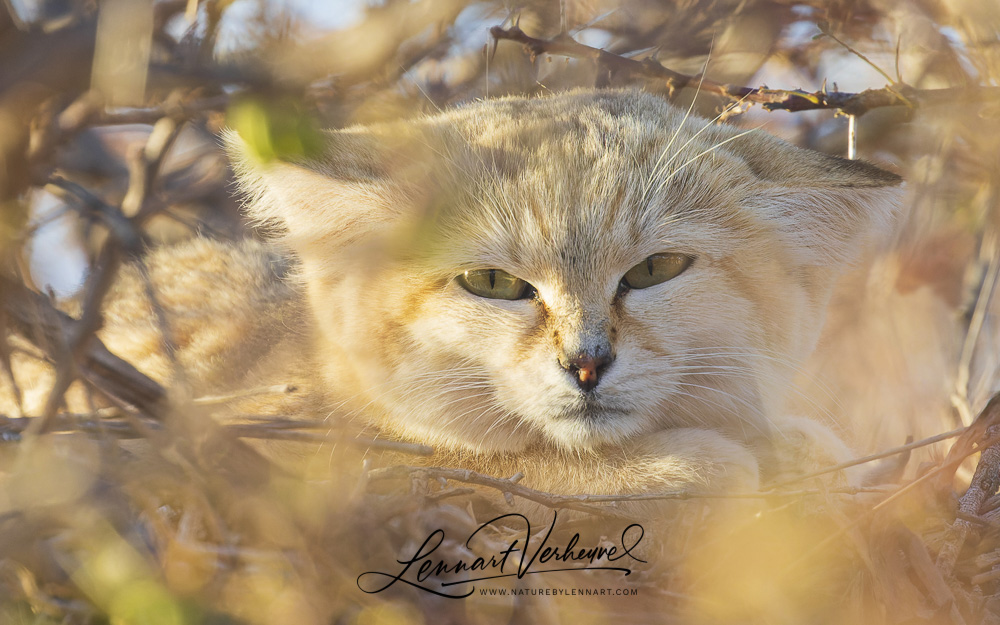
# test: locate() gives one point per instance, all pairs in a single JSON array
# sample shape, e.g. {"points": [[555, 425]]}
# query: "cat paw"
{"points": [[802, 446], [690, 459]]}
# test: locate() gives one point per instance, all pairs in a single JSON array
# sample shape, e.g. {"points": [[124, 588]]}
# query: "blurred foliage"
{"points": [[199, 533], [275, 130]]}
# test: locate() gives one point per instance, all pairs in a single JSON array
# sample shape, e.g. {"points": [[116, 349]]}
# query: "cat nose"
{"points": [[586, 369]]}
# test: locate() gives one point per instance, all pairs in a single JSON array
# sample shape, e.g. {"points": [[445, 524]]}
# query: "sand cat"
{"points": [[593, 288]]}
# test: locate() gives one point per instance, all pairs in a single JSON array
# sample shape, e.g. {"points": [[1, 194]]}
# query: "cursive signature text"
{"points": [[423, 571]]}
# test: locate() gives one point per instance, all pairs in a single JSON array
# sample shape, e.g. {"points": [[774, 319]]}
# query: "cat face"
{"points": [[574, 270]]}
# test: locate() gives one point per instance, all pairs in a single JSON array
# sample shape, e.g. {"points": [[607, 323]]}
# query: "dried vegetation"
{"points": [[150, 511]]}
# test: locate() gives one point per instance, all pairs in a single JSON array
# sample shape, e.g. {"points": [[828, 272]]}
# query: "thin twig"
{"points": [[937, 438], [176, 110], [6, 363], [146, 166], [243, 430], [976, 519], [549, 500], [960, 396], [983, 578], [277, 389], [77, 196], [72, 344], [858, 54]]}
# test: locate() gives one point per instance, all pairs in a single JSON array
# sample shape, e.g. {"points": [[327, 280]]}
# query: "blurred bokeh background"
{"points": [[110, 110]]}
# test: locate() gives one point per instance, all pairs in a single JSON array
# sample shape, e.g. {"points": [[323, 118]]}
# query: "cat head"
{"points": [[576, 269]]}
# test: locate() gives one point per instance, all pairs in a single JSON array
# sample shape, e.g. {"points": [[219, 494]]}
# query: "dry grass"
{"points": [[152, 512]]}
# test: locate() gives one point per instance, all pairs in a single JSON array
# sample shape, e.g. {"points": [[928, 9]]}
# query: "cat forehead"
{"points": [[596, 127], [583, 177], [619, 161], [587, 128]]}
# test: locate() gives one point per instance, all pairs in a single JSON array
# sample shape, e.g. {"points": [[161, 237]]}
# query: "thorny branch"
{"points": [[585, 503], [610, 64]]}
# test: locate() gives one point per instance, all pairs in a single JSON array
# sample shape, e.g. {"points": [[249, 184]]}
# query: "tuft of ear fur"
{"points": [[330, 199], [828, 209]]}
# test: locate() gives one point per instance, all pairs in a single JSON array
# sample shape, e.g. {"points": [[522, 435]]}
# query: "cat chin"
{"points": [[585, 431], [573, 431]]}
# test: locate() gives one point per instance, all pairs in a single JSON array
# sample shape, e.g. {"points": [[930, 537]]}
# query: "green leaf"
{"points": [[275, 130]]}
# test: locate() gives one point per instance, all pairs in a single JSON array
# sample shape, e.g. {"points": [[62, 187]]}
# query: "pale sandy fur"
{"points": [[356, 301]]}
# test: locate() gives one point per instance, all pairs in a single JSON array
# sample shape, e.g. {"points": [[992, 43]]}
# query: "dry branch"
{"points": [[985, 483], [509, 487], [29, 312], [187, 85], [585, 503], [174, 109], [902, 449], [610, 64], [108, 422], [72, 344]]}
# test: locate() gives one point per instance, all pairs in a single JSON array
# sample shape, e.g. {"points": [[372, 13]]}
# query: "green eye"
{"points": [[655, 269], [495, 284]]}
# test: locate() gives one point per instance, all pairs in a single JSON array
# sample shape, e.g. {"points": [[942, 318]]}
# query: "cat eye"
{"points": [[495, 284], [655, 269]]}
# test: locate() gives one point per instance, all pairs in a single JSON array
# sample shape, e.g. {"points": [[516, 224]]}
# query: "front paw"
{"points": [[683, 459], [802, 446], [689, 459], [684, 465]]}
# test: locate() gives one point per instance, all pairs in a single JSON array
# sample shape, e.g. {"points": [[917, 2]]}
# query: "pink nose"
{"points": [[586, 370]]}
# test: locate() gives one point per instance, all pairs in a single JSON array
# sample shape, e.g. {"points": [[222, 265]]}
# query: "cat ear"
{"points": [[828, 209], [330, 197]]}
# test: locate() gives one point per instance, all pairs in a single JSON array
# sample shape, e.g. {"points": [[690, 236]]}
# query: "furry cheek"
{"points": [[700, 354]]}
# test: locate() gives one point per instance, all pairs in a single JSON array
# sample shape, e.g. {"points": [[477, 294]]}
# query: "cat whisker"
{"points": [[793, 367], [762, 354], [676, 133], [418, 383], [703, 153], [657, 168], [482, 408], [504, 416], [741, 418]]}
